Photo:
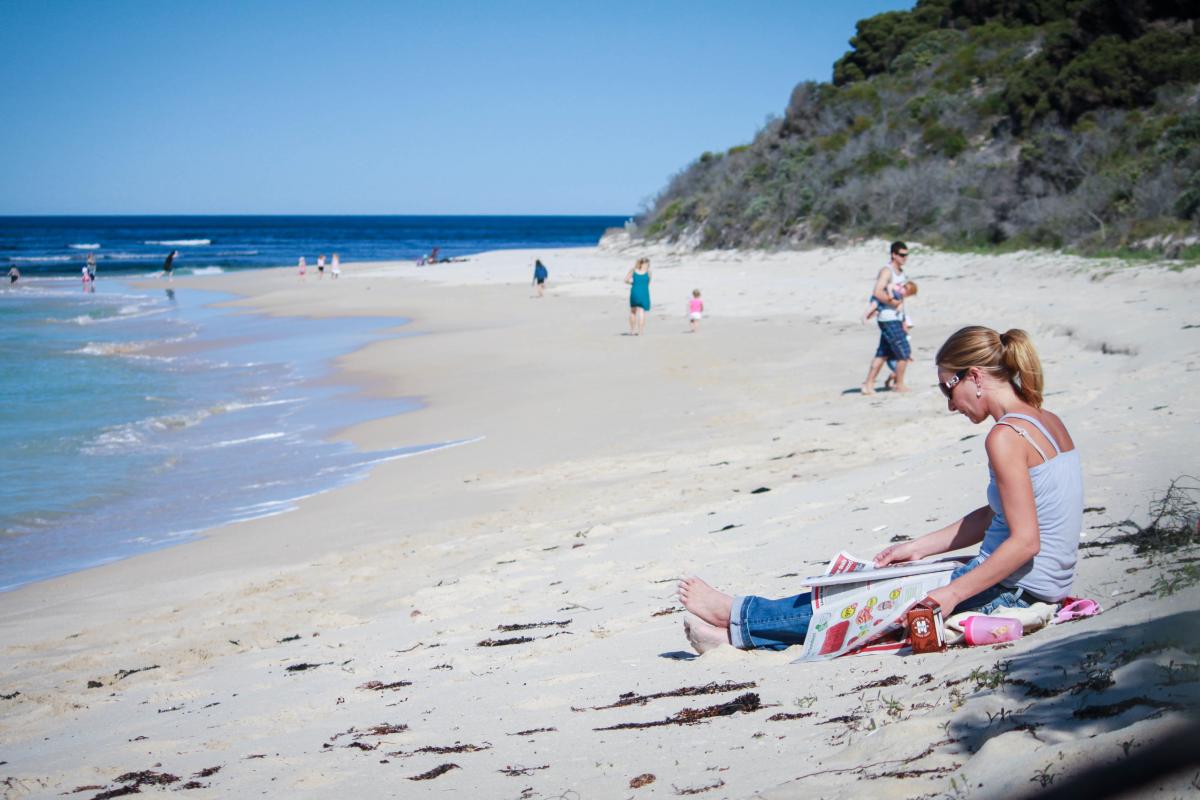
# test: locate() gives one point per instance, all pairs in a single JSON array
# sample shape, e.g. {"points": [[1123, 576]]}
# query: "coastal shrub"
{"points": [[947, 141], [1066, 122]]}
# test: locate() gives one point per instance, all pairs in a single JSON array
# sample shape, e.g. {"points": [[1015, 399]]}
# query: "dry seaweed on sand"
{"points": [[645, 779], [519, 772], [664, 612], [525, 626], [634, 699], [699, 789], [122, 674], [879, 684], [434, 773], [207, 772], [690, 716], [441, 750], [504, 642], [532, 731], [784, 716], [382, 729], [302, 667], [121, 792], [147, 777], [380, 686]]}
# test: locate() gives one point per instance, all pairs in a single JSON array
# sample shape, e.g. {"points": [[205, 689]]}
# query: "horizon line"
{"points": [[284, 214]]}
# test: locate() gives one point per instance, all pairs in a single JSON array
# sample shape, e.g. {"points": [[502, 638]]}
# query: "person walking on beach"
{"points": [[540, 273], [335, 266], [695, 310], [169, 265], [1028, 532], [893, 344], [638, 279], [302, 267], [320, 266]]}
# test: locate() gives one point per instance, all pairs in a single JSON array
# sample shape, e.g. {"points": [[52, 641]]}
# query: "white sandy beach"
{"points": [[606, 467]]}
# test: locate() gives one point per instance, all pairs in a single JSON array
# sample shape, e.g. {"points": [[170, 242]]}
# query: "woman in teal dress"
{"points": [[639, 295]]}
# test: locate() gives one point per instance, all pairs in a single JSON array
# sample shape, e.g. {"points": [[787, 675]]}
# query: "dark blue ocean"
{"points": [[132, 419], [60, 245]]}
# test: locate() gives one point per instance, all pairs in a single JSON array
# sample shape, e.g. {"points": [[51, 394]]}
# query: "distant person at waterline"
{"points": [[335, 266], [302, 267], [320, 266], [91, 266], [14, 275], [638, 279], [893, 343], [87, 278], [169, 265], [540, 273]]}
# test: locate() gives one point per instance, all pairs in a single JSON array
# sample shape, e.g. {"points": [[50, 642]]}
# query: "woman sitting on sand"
{"points": [[1029, 529]]}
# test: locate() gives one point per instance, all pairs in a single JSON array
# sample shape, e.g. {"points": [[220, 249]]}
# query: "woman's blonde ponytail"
{"points": [[1020, 360]]}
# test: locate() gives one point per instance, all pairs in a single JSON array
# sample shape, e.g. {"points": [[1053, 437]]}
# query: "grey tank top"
{"points": [[1058, 496]]}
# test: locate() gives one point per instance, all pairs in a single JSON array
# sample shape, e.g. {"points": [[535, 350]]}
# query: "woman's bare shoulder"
{"points": [[1056, 426]]}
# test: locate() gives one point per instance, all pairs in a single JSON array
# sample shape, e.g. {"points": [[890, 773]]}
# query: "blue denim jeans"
{"points": [[759, 623]]}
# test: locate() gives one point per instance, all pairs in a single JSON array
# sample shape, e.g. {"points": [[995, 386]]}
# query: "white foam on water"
{"points": [[261, 404], [180, 242], [111, 348], [259, 438], [206, 271], [41, 259], [85, 246]]}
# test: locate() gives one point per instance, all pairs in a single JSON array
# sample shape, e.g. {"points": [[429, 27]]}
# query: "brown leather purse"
{"points": [[924, 625]]}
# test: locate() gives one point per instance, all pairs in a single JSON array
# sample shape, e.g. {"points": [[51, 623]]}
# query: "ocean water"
{"points": [[132, 419], [60, 245]]}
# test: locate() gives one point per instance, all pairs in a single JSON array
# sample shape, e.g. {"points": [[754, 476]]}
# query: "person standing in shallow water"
{"points": [[893, 343], [169, 265], [1028, 533], [638, 279]]}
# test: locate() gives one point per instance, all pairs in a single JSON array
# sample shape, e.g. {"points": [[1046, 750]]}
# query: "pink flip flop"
{"points": [[981, 629], [1077, 609]]}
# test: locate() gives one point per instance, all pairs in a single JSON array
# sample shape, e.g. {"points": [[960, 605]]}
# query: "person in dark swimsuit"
{"points": [[638, 279]]}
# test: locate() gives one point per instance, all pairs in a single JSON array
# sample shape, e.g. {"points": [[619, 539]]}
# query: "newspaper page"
{"points": [[848, 616]]}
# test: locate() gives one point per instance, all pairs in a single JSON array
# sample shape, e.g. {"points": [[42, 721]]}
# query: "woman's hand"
{"points": [[947, 598], [897, 554]]}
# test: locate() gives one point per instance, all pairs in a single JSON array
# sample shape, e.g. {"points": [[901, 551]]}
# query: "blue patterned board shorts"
{"points": [[893, 343]]}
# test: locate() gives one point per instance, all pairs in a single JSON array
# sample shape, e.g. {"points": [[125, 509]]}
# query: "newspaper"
{"points": [[851, 614]]}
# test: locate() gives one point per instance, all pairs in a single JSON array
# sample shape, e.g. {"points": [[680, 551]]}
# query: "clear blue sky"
{"points": [[389, 107]]}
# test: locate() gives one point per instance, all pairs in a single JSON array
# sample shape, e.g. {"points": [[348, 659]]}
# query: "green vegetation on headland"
{"points": [[974, 124]]}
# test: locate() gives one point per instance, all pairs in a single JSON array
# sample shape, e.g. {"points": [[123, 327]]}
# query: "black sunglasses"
{"points": [[948, 387], [902, 255]]}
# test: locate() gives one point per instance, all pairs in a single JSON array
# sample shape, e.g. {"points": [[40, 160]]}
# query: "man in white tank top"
{"points": [[893, 343]]}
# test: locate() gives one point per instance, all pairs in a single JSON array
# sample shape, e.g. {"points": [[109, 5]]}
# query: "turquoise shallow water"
{"points": [[131, 419]]}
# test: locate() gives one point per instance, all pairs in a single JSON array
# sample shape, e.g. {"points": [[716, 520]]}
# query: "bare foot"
{"points": [[889, 382], [705, 602], [702, 636], [900, 387], [868, 389]]}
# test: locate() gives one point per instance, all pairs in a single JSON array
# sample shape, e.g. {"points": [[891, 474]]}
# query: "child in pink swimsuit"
{"points": [[695, 310]]}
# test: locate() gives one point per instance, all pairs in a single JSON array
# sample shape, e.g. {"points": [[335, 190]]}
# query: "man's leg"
{"points": [[868, 386]]}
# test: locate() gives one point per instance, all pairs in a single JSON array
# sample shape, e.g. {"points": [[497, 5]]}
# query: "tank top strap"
{"points": [[1037, 425]]}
